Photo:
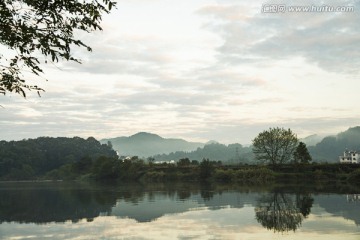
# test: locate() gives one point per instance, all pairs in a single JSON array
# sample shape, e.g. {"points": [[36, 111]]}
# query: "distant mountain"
{"points": [[232, 153], [331, 147], [145, 144], [312, 140], [211, 142]]}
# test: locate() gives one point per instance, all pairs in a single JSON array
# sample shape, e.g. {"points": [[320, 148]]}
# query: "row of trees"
{"points": [[32, 158], [229, 154], [113, 168]]}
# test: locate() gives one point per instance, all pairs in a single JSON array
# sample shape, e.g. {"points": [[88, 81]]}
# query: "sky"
{"points": [[200, 70]]}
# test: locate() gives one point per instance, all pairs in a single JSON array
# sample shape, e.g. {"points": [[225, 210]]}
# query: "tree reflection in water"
{"points": [[42, 203], [283, 212], [66, 201]]}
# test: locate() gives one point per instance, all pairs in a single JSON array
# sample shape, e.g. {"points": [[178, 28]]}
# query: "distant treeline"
{"points": [[229, 154]]}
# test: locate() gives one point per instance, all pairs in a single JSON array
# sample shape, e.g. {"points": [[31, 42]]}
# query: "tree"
{"points": [[105, 168], [151, 160], [184, 162], [206, 169], [275, 146], [83, 165], [195, 162], [109, 144], [301, 154], [31, 28]]}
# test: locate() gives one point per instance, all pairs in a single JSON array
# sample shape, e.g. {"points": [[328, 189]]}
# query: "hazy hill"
{"points": [[232, 153], [330, 148], [312, 140], [147, 144]]}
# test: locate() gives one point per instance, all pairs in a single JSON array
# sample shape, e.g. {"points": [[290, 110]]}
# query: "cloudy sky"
{"points": [[200, 70]]}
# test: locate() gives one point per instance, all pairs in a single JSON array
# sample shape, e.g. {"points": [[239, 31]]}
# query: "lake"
{"points": [[71, 210]]}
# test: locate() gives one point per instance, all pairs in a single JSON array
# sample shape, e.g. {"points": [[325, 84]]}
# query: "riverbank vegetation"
{"points": [[87, 159], [35, 158], [135, 169]]}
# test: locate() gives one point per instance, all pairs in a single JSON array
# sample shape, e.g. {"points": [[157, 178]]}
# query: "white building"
{"points": [[166, 162], [350, 157]]}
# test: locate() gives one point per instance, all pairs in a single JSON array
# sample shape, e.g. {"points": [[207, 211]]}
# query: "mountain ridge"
{"points": [[312, 140], [144, 144], [331, 147]]}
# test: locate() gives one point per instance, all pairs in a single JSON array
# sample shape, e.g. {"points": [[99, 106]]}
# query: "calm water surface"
{"points": [[176, 211]]}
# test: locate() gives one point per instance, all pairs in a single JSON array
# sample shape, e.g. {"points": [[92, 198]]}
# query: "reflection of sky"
{"points": [[150, 210], [324, 222], [203, 223], [159, 204]]}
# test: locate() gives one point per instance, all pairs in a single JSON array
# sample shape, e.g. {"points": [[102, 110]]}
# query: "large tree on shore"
{"points": [[275, 146], [30, 29]]}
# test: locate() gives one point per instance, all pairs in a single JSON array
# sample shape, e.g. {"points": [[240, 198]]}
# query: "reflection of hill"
{"points": [[338, 205], [231, 199], [160, 204], [52, 203], [60, 202], [151, 209]]}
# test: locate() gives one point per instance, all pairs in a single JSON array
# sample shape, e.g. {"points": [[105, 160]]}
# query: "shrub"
{"points": [[258, 175], [224, 175], [354, 176], [319, 175], [154, 176], [206, 169]]}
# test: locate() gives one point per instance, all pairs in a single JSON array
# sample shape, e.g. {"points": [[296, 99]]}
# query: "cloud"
{"points": [[123, 55], [223, 71], [329, 40]]}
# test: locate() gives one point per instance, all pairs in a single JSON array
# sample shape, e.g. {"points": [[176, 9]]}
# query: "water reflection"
{"points": [[275, 209], [282, 212], [43, 203]]}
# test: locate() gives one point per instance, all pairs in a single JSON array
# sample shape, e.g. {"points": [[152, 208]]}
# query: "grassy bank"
{"points": [[258, 174]]}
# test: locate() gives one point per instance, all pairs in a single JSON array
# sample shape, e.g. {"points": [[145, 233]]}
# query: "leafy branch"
{"points": [[30, 27]]}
